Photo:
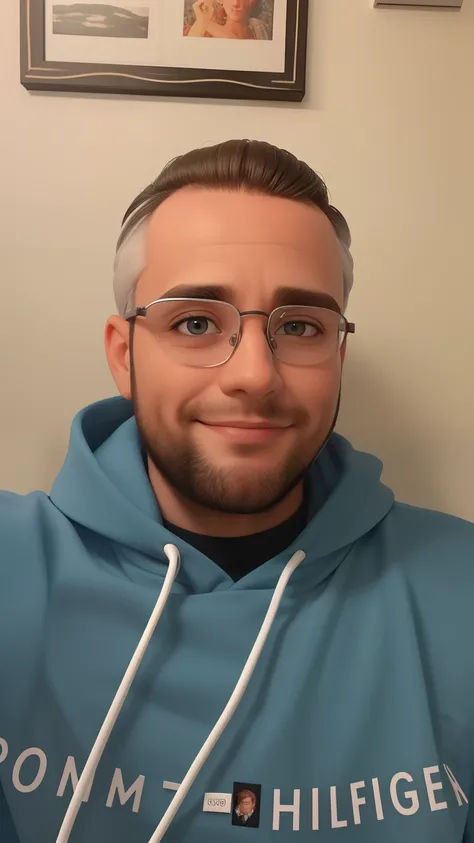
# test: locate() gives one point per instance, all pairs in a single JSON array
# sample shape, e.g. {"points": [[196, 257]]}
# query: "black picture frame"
{"points": [[38, 74]]}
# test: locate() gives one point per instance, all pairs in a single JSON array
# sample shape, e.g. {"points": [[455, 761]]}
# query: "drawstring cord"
{"points": [[97, 751]]}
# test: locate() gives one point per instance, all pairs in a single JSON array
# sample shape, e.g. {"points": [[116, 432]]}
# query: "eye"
{"points": [[299, 329], [196, 326]]}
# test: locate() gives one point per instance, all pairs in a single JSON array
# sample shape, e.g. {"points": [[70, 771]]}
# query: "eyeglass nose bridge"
{"points": [[235, 338]]}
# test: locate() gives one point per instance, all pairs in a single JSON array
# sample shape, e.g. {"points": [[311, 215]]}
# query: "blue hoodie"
{"points": [[356, 725]]}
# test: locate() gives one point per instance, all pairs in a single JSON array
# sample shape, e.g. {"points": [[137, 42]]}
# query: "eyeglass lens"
{"points": [[204, 333]]}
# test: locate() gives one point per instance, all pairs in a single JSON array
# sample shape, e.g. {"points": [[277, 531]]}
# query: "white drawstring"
{"points": [[88, 773], [234, 700], [92, 763]]}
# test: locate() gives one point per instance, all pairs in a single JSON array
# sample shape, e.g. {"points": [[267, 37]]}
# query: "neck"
{"points": [[191, 516]]}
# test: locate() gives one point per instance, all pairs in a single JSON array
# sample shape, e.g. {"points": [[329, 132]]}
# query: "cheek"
{"points": [[318, 388], [164, 387]]}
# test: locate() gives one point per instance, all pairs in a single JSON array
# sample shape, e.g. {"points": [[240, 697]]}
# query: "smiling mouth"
{"points": [[247, 425], [247, 432]]}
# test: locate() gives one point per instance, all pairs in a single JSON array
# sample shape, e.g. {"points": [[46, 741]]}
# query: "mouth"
{"points": [[247, 432]]}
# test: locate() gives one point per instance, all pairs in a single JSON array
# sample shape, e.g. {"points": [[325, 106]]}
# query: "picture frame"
{"points": [[146, 47]]}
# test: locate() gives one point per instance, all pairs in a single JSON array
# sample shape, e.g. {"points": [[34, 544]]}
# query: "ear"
{"points": [[117, 349]]}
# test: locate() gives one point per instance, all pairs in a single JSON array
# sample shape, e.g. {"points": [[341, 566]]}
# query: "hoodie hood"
{"points": [[103, 486]]}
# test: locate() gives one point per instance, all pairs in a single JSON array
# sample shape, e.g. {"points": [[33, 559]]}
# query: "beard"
{"points": [[186, 469], [193, 476]]}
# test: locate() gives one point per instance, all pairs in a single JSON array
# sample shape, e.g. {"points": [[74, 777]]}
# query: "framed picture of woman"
{"points": [[240, 49]]}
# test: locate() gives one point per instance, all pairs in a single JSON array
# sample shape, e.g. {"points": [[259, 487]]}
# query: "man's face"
{"points": [[237, 10], [251, 244], [246, 805]]}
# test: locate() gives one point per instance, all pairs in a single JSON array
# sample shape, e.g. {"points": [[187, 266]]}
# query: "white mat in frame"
{"points": [[166, 46]]}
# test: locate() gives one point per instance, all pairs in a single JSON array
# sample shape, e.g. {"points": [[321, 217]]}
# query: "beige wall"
{"points": [[389, 122]]}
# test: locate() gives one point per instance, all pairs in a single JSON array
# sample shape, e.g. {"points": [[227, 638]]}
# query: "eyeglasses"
{"points": [[205, 333]]}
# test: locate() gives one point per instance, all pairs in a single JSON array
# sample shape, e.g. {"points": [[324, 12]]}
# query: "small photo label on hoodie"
{"points": [[246, 804]]}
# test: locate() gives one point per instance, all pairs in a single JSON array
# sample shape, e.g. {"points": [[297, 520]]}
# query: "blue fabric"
{"points": [[357, 723], [7, 829]]}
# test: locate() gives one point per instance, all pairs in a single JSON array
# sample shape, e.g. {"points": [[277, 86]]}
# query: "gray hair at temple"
{"points": [[248, 165]]}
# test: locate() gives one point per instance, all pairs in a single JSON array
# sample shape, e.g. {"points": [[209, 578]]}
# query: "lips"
{"points": [[246, 432], [246, 425]]}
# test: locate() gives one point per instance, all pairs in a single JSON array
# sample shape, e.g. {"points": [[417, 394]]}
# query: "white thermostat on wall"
{"points": [[418, 4]]}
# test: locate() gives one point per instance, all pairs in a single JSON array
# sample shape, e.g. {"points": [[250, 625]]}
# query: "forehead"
{"points": [[239, 239]]}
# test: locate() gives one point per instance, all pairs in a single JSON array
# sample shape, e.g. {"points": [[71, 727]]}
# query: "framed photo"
{"points": [[240, 49]]}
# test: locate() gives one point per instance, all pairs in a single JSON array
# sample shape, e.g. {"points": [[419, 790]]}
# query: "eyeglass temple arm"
{"points": [[138, 311]]}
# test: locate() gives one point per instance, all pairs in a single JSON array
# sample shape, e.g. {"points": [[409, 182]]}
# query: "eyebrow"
{"points": [[283, 296]]}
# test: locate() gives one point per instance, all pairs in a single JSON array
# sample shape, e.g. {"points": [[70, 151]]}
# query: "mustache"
{"points": [[268, 411]]}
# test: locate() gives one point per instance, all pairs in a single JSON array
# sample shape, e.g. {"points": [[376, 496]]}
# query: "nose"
{"points": [[252, 369]]}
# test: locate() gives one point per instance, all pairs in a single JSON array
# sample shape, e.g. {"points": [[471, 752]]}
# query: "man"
{"points": [[219, 589], [245, 809]]}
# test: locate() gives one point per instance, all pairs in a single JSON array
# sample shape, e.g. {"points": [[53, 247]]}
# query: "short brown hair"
{"points": [[251, 165], [248, 165]]}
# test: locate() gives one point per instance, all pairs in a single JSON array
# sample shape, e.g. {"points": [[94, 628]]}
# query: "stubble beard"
{"points": [[247, 492]]}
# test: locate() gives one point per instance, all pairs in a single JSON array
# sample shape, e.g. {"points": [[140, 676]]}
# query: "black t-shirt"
{"points": [[240, 555]]}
